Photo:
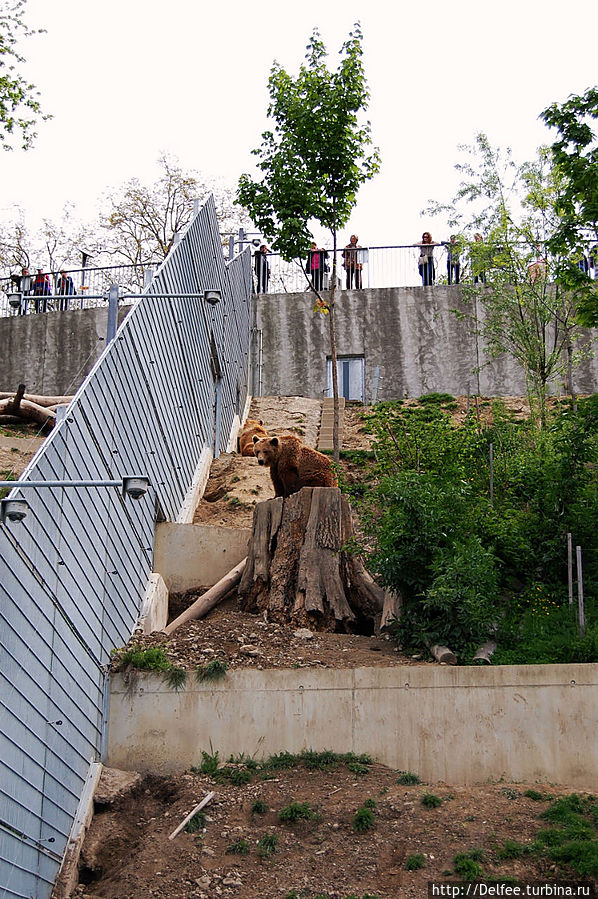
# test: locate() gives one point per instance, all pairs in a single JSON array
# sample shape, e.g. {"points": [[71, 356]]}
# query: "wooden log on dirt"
{"points": [[39, 400], [209, 599], [27, 411], [298, 570]]}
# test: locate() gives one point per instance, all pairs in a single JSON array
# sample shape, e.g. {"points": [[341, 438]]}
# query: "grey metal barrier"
{"points": [[74, 569]]}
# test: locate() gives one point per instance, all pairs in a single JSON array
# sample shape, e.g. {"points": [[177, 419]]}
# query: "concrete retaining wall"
{"points": [[51, 353], [409, 333], [194, 555], [460, 725]]}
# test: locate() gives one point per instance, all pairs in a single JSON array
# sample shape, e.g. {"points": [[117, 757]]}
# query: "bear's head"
{"points": [[252, 423], [265, 449]]}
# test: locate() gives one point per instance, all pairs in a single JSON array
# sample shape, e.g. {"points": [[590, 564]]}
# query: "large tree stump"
{"points": [[298, 570]]}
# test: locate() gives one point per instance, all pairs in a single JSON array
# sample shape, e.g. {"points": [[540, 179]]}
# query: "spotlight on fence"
{"points": [[14, 300], [212, 297], [13, 510], [135, 487]]}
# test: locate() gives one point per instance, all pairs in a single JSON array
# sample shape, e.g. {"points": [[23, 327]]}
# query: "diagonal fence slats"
{"points": [[73, 572]]}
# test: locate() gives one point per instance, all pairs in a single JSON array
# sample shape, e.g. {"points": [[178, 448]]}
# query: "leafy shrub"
{"points": [[429, 800], [213, 671], [196, 823], [259, 807], [239, 847], [408, 779], [153, 658], [267, 845], [363, 819], [414, 862], [296, 811], [467, 865]]}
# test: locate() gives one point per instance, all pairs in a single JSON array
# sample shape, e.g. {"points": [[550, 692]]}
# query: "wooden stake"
{"points": [[570, 566], [582, 614], [197, 809]]}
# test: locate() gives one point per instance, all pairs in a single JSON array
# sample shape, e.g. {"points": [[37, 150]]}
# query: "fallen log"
{"points": [[484, 652], [39, 400], [192, 814], [27, 410], [298, 569], [209, 599]]}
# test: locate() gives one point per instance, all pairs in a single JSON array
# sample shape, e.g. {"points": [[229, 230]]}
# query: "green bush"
{"points": [[363, 819], [296, 811], [414, 862]]}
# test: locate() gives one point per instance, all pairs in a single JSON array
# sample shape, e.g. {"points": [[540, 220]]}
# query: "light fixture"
{"points": [[135, 487], [14, 300], [212, 297], [13, 510]]}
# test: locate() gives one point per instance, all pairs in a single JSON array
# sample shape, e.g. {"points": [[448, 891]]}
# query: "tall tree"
{"points": [[526, 313], [19, 104], [575, 155], [313, 163], [140, 221]]}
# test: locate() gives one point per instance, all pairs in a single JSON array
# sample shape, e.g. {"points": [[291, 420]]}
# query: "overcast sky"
{"points": [[128, 79]]}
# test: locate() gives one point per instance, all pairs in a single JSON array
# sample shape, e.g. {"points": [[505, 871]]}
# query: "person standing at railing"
{"points": [[262, 269], [24, 285], [64, 289], [453, 260], [425, 263], [42, 289], [316, 265], [351, 263]]}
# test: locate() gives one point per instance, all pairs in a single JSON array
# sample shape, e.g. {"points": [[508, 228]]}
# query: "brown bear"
{"points": [[292, 464], [250, 429]]}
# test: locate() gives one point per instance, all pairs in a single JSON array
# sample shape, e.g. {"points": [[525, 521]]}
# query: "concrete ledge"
{"points": [[154, 606], [460, 725], [192, 555], [195, 491], [68, 876]]}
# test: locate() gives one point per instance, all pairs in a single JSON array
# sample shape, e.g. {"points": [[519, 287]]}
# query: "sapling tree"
{"points": [[313, 163], [527, 312]]}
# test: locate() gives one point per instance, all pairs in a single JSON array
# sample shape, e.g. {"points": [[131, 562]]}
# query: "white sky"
{"points": [[128, 79]]}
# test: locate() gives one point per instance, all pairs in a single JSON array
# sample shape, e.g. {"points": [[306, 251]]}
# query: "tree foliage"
{"points": [[140, 221], [19, 104], [314, 161], [575, 155], [528, 311]]}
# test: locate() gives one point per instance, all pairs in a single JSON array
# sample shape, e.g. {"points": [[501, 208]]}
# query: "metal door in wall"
{"points": [[351, 377]]}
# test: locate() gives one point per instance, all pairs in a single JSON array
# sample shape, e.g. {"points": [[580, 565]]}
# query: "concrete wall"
{"points": [[410, 333], [194, 555], [52, 353], [460, 725]]}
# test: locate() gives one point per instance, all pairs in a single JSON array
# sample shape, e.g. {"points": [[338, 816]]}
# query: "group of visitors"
{"points": [[38, 287], [316, 266], [426, 264]]}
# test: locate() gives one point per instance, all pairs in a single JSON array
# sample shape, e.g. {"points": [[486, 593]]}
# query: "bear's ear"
{"points": [[255, 438], [274, 441]]}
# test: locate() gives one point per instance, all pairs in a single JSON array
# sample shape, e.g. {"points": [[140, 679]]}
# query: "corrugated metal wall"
{"points": [[72, 574]]}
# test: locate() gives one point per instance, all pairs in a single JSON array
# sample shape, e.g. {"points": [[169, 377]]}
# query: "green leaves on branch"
{"points": [[317, 157]]}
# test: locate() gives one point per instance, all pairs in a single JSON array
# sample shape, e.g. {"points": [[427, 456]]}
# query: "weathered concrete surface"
{"points": [[193, 555], [52, 352], [460, 725], [410, 333]]}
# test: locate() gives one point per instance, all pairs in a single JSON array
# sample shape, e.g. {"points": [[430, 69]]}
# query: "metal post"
{"points": [[582, 614], [570, 566], [112, 313]]}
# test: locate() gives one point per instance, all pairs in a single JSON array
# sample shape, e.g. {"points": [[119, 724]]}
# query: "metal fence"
{"points": [[73, 572], [88, 288]]}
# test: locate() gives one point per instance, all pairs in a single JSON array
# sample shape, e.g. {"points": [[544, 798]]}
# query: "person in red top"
{"points": [[42, 289]]}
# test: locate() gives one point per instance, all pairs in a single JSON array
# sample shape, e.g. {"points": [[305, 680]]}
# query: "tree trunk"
{"points": [[298, 571]]}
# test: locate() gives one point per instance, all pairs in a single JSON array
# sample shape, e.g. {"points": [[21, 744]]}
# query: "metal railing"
{"points": [[73, 571], [88, 288]]}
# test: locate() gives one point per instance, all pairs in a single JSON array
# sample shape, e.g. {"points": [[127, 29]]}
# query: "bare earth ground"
{"points": [[127, 853]]}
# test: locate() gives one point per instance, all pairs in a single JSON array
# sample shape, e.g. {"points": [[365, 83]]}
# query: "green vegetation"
{"points": [[259, 807], [240, 770], [467, 864], [363, 819], [197, 823], [239, 847], [213, 671], [473, 563], [267, 845], [296, 811], [430, 800], [408, 779], [414, 862], [153, 658]]}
